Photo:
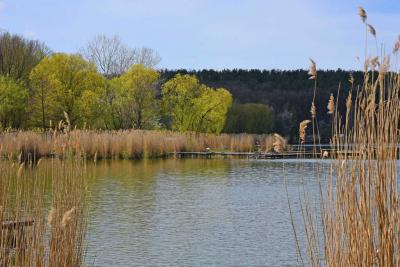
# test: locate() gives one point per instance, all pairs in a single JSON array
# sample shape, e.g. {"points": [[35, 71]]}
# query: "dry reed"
{"points": [[356, 220], [302, 130], [126, 144], [331, 105], [280, 143], [29, 236], [362, 14]]}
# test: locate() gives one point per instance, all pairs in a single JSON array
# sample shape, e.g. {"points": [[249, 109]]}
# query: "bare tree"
{"points": [[147, 57], [113, 58]]}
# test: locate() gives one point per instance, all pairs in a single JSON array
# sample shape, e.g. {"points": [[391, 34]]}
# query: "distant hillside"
{"points": [[288, 93]]}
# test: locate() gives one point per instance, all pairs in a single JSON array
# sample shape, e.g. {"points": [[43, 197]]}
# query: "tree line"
{"points": [[109, 85], [106, 86], [283, 97]]}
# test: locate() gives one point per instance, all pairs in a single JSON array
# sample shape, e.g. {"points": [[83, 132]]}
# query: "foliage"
{"points": [[193, 106], [18, 56], [286, 92], [249, 118], [133, 98], [13, 102], [67, 83]]}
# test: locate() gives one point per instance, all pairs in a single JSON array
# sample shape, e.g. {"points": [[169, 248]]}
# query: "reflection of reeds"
{"points": [[29, 234], [129, 144], [357, 219]]}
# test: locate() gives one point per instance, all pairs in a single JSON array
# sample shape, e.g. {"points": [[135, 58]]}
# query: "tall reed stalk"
{"points": [[356, 218], [42, 214]]}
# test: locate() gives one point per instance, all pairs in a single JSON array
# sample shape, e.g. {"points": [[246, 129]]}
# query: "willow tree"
{"points": [[192, 106], [135, 104], [67, 83]]}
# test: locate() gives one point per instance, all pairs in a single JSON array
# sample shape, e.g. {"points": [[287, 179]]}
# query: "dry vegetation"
{"points": [[356, 220], [42, 205], [42, 214], [129, 144]]}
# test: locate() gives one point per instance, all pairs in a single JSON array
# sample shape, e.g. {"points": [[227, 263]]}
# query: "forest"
{"points": [[109, 85], [286, 94]]}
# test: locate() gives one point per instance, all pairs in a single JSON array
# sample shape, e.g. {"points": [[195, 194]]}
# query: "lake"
{"points": [[196, 212]]}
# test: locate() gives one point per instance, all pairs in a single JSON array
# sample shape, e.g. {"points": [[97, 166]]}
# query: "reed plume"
{"points": [[371, 29], [385, 66], [67, 118], [312, 72], [313, 110], [20, 169], [362, 13], [374, 62], [302, 130], [331, 105], [279, 144], [67, 217], [351, 78]]}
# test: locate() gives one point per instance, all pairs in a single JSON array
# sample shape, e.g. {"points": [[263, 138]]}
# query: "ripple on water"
{"points": [[194, 212]]}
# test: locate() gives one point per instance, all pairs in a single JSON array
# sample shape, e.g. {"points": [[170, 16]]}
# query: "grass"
{"points": [[28, 146]]}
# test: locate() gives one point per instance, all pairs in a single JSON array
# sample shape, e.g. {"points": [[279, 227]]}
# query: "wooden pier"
{"points": [[254, 155], [297, 151]]}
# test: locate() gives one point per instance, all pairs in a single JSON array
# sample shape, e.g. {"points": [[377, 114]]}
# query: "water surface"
{"points": [[195, 212]]}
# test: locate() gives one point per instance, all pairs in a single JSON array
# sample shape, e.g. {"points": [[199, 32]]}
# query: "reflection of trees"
{"points": [[205, 168], [122, 199], [131, 175], [141, 175], [136, 202], [137, 179]]}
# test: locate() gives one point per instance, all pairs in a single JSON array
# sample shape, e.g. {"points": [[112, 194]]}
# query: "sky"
{"points": [[214, 34]]}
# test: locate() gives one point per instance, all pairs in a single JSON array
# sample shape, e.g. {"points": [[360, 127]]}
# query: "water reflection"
{"points": [[194, 212]]}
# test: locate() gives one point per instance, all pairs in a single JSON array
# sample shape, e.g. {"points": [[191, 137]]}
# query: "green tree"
{"points": [[134, 104], [249, 118], [67, 83], [13, 102], [192, 106]]}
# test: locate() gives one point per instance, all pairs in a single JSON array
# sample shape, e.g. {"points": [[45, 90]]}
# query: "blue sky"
{"points": [[217, 34]]}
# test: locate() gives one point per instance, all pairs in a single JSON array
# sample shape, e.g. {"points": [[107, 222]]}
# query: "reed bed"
{"points": [[125, 144], [355, 220], [42, 214]]}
